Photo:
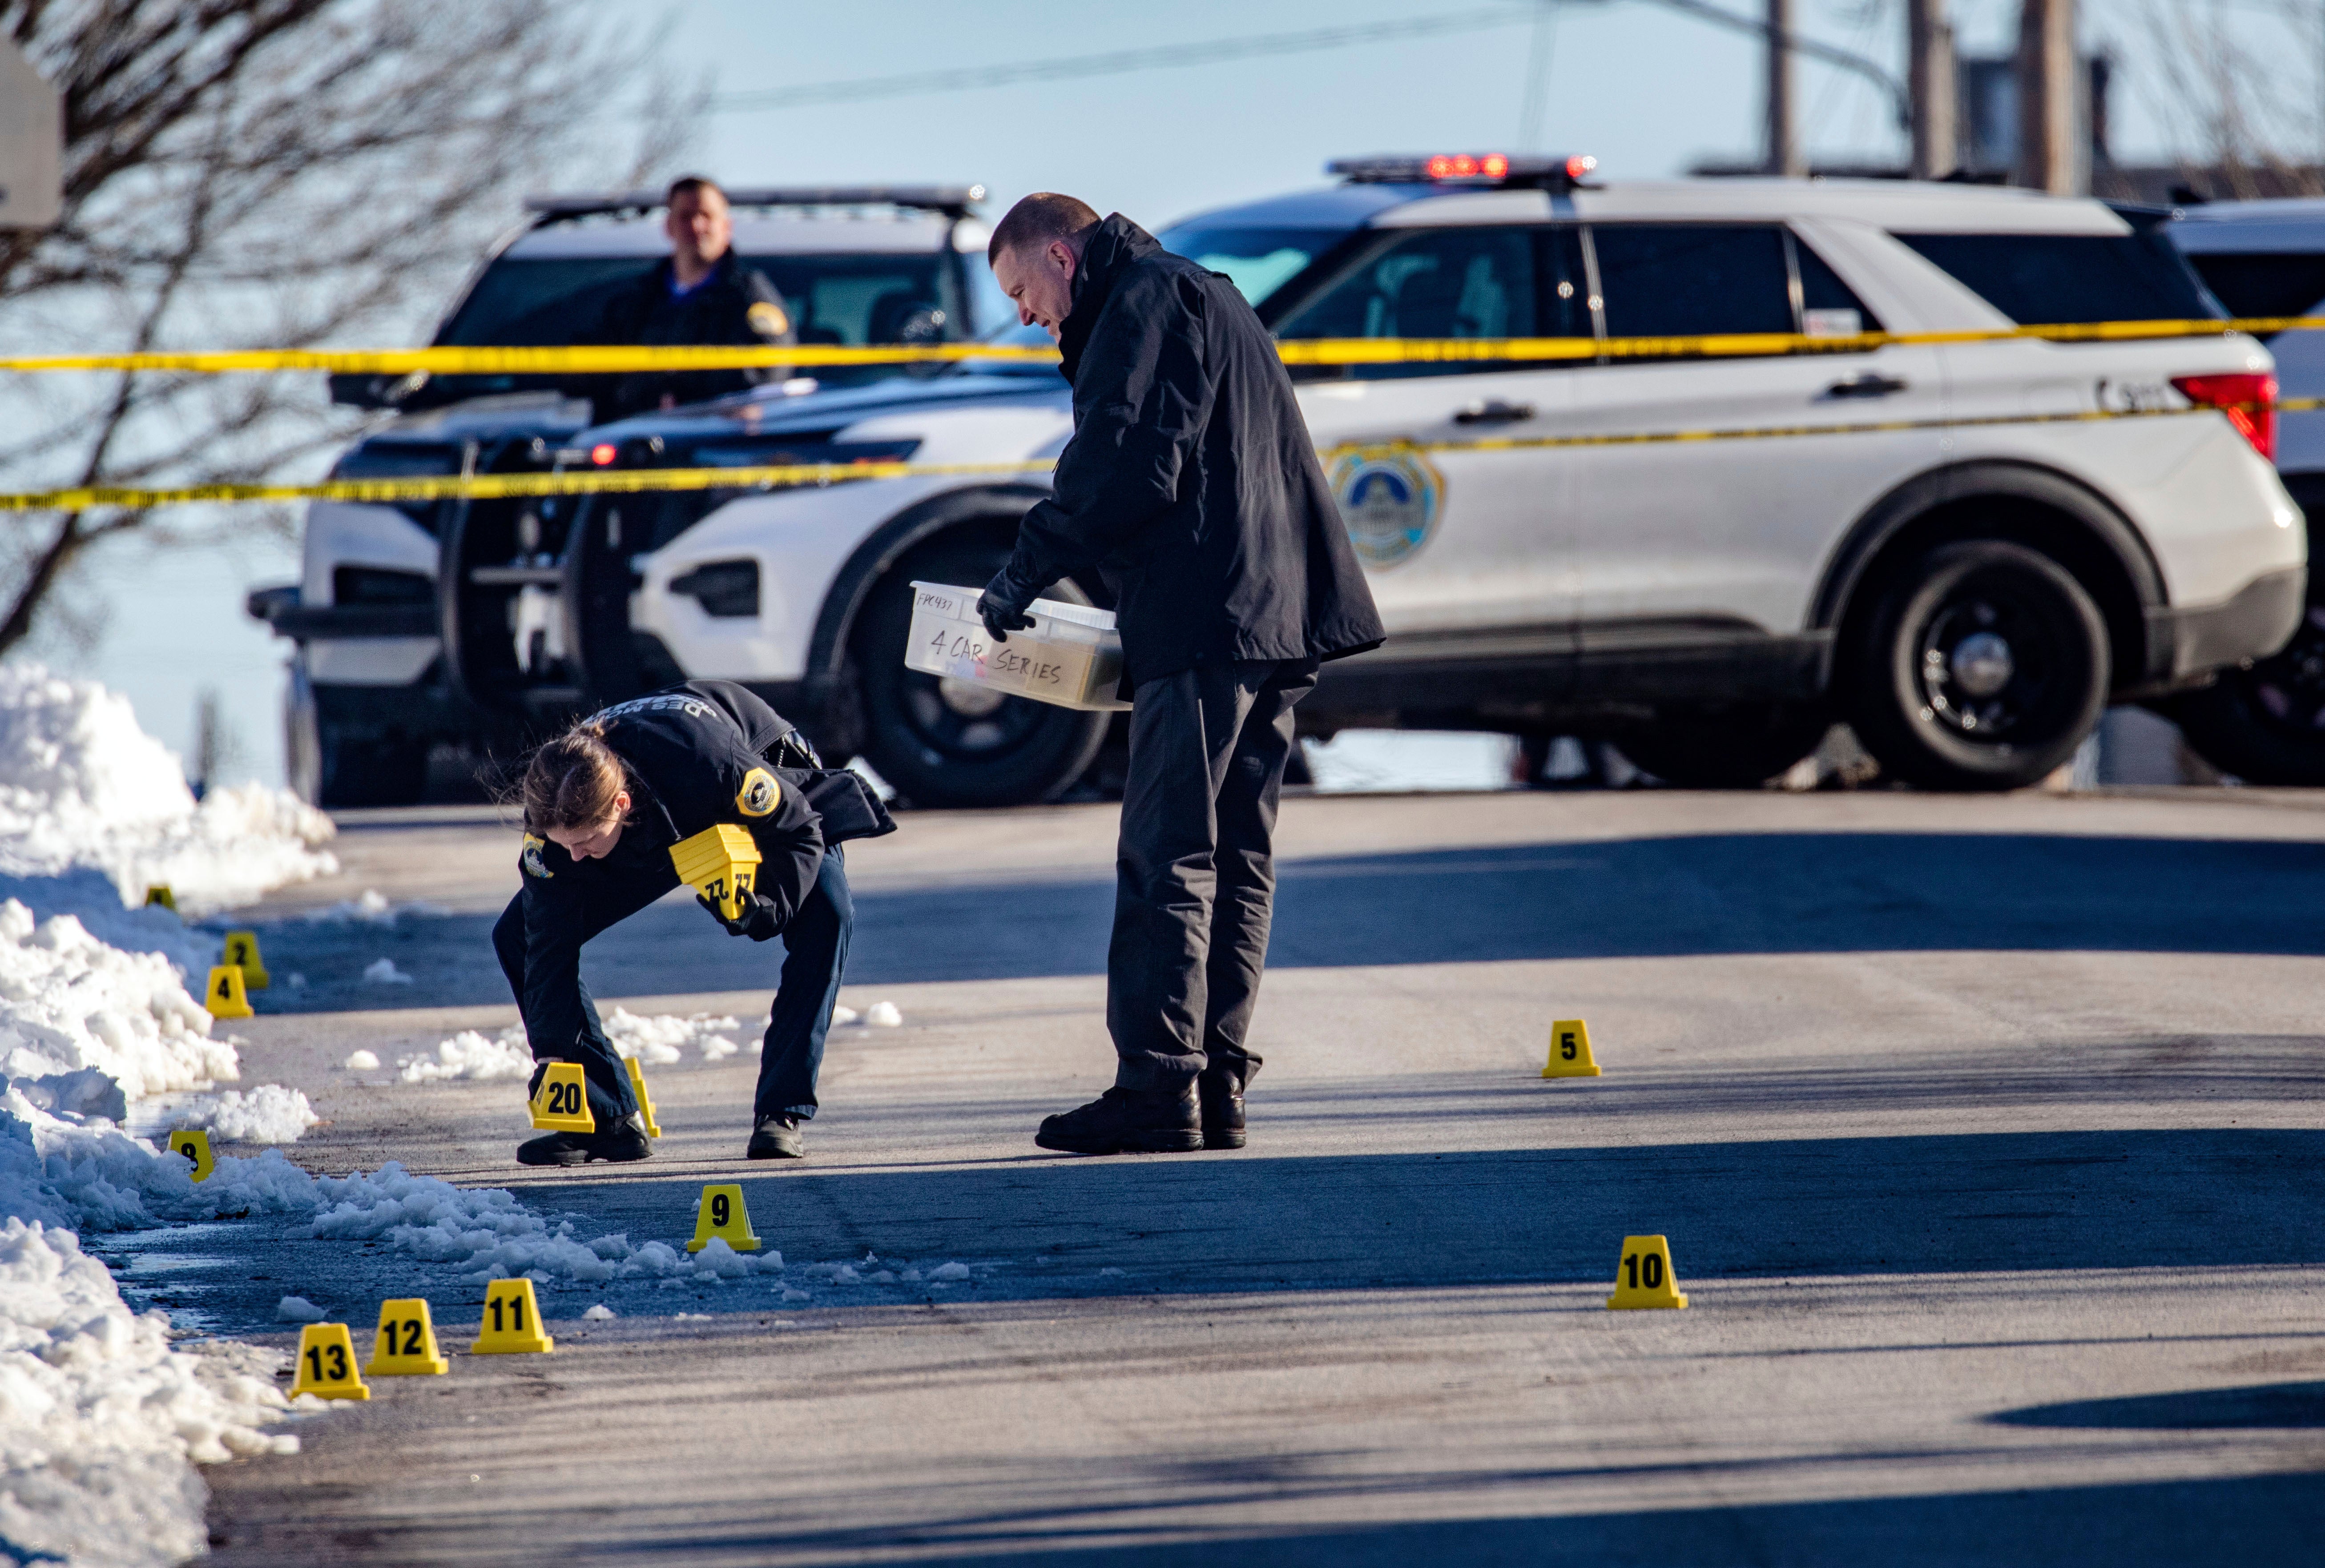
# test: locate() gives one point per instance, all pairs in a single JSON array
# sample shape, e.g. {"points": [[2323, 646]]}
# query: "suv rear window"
{"points": [[2070, 280], [2263, 285]]}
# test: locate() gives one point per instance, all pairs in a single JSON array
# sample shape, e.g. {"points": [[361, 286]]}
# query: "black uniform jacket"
{"points": [[734, 305], [698, 755], [1191, 483]]}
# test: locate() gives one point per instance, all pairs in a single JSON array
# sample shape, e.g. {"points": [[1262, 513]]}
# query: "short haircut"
{"points": [[1036, 220], [692, 184]]}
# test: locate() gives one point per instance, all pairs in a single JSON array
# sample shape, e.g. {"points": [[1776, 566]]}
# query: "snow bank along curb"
{"points": [[82, 786]]}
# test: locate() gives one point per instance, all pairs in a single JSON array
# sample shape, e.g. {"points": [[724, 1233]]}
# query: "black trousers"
{"points": [[791, 1059], [1195, 870]]}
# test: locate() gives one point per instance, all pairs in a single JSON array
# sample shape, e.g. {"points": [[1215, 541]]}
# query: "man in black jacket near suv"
{"points": [[1191, 488], [701, 296]]}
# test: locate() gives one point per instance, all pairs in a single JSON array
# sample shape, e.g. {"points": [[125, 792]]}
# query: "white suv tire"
{"points": [[1981, 665]]}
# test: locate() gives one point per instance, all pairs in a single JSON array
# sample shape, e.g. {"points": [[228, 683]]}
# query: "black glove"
{"points": [[757, 920], [1002, 606]]}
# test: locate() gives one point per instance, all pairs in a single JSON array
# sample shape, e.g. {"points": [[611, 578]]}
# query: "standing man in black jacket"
{"points": [[701, 296], [1191, 488]]}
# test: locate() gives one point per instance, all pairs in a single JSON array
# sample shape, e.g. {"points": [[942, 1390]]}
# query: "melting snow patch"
{"points": [[362, 1062], [950, 1271], [298, 1309], [468, 1055], [844, 1015], [69, 1002], [600, 1313], [661, 1040], [883, 1015], [383, 972]]}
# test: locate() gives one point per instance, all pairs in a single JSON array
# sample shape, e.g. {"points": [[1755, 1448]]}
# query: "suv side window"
{"points": [[1693, 279], [1454, 282], [2041, 279]]}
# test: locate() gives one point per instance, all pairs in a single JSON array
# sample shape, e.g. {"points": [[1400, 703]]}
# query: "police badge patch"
{"points": [[1390, 498], [760, 793], [530, 859], [767, 321]]}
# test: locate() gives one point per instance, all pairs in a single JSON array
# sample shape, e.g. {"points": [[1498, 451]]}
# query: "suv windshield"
{"points": [[1260, 261], [527, 302], [2042, 279]]}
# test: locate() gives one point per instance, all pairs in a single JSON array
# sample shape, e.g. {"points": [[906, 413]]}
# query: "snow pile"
{"points": [[101, 1421], [468, 1055], [383, 972], [269, 1114], [362, 1062], [883, 1015], [69, 1001], [81, 785], [659, 1040]]}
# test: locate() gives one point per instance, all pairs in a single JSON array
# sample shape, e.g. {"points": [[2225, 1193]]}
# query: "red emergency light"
{"points": [[1495, 169], [604, 453]]}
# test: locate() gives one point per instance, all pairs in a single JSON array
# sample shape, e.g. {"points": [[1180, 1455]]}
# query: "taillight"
{"points": [[2249, 402], [604, 453]]}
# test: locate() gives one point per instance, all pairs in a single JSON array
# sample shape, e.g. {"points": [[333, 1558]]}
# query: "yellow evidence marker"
{"points": [[327, 1364], [194, 1143], [242, 953], [160, 893], [1645, 1276], [224, 996], [405, 1343], [562, 1103], [721, 863], [646, 1101], [723, 1217], [1569, 1051], [512, 1321]]}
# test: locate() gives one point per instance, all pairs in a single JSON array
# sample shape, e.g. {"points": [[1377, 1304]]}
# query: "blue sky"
{"points": [[1647, 91]]}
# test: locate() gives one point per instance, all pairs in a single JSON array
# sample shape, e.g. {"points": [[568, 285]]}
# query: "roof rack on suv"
{"points": [[954, 200], [1468, 169]]}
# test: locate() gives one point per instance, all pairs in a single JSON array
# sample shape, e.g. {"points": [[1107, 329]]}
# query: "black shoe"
{"points": [[1222, 1102], [623, 1142], [777, 1138], [1126, 1121]]}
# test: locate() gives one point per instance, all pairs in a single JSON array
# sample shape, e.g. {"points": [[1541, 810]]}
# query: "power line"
{"points": [[1211, 51]]}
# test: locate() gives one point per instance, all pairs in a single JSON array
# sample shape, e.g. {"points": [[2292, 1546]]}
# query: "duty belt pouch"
{"points": [[845, 803]]}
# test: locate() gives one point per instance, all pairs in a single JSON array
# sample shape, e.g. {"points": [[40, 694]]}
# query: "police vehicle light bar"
{"points": [[952, 199], [1465, 169]]}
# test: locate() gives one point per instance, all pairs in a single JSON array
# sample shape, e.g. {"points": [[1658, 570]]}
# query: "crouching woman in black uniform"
{"points": [[603, 804]]}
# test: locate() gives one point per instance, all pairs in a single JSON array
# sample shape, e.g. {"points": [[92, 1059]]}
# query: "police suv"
{"points": [[373, 682], [1965, 549], [2265, 722]]}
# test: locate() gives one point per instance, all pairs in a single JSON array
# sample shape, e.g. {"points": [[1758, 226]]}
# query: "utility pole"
{"points": [[1784, 155], [1929, 80], [2048, 158]]}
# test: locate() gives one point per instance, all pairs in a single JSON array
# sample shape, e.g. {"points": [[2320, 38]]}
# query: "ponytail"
{"points": [[572, 782]]}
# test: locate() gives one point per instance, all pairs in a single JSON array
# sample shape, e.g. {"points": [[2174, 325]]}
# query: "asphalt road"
{"points": [[1985, 1132]]}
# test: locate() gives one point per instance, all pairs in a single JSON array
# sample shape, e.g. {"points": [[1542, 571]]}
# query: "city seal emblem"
{"points": [[1390, 499]]}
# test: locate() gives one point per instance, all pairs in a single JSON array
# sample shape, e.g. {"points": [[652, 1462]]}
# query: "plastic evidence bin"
{"points": [[1069, 656]]}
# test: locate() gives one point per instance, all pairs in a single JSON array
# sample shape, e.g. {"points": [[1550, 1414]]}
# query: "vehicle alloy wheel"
{"points": [[949, 742], [2266, 724], [1982, 666]]}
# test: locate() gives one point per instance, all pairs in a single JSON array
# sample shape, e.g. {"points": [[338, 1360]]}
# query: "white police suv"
{"points": [[1965, 549]]}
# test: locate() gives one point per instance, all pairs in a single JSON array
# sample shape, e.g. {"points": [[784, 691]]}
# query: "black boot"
{"points": [[1222, 1101], [1127, 1122], [623, 1141], [777, 1138]]}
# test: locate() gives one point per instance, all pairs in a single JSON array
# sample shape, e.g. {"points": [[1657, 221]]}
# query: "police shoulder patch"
{"points": [[760, 793], [767, 319], [530, 859]]}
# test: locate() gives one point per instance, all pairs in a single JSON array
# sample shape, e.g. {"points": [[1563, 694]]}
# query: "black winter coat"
{"points": [[734, 305], [1190, 484], [697, 755]]}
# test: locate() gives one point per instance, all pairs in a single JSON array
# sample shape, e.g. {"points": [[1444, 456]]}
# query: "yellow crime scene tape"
{"points": [[1327, 351], [600, 360], [645, 481]]}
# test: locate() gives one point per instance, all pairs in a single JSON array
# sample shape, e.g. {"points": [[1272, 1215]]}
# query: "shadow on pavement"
{"points": [[2296, 1406], [2242, 1518], [1735, 893]]}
